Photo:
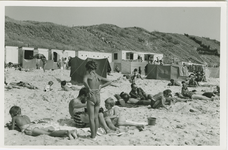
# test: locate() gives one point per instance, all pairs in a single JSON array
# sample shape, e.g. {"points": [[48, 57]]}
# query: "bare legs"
{"points": [[93, 118], [103, 123], [110, 123], [122, 122], [60, 133], [201, 97]]}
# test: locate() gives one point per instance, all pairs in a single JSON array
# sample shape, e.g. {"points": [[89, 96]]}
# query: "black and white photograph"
{"points": [[114, 74]]}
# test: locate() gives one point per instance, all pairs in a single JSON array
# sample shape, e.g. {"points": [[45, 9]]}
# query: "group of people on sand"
{"points": [[86, 111]]}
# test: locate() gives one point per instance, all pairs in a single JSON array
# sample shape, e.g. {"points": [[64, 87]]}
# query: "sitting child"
{"points": [[48, 87], [135, 75], [26, 126], [114, 118]]}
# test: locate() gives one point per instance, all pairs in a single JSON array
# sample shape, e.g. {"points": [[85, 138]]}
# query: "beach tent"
{"points": [[213, 72], [165, 72], [29, 63], [78, 69]]}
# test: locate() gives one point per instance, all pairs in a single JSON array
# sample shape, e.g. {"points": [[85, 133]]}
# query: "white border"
{"points": [[223, 67]]}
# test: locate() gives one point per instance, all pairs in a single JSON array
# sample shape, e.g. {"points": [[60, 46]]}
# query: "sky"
{"points": [[199, 21]]}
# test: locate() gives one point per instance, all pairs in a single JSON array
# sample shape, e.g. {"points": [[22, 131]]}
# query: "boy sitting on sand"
{"points": [[114, 118], [26, 126]]}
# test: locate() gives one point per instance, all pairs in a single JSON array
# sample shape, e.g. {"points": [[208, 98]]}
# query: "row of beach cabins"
{"points": [[125, 60]]}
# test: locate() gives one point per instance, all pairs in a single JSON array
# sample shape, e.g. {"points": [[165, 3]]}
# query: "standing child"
{"points": [[26, 126], [92, 82]]}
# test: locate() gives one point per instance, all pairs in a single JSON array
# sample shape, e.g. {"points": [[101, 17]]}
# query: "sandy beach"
{"points": [[177, 126]]}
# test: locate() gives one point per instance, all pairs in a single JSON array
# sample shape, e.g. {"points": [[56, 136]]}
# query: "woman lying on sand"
{"points": [[26, 126], [78, 111], [192, 95], [114, 118]]}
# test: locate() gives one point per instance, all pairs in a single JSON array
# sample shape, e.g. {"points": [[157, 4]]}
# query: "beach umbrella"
{"points": [[39, 56]]}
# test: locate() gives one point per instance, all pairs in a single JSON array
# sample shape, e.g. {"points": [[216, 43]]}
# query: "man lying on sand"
{"points": [[78, 111], [26, 126], [114, 118]]}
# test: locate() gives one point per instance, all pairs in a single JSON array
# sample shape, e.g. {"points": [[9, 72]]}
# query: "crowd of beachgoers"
{"points": [[45, 108]]}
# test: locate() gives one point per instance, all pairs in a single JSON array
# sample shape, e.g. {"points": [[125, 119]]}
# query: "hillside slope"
{"points": [[109, 38]]}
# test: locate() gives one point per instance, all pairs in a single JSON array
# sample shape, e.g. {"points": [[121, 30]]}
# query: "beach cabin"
{"points": [[58, 54], [135, 56], [27, 52], [13, 55], [26, 55], [94, 55], [127, 61]]}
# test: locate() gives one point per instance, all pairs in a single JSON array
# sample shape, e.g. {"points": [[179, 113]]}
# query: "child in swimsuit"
{"points": [[29, 128], [114, 118], [92, 82]]}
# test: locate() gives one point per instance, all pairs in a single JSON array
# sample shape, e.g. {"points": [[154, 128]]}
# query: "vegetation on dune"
{"points": [[109, 38]]}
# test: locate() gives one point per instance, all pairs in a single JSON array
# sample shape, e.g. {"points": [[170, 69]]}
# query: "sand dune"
{"points": [[177, 126]]}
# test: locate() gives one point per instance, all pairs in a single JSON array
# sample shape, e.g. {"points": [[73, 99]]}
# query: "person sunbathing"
{"points": [[20, 84], [67, 86], [26, 126], [78, 111], [174, 83], [124, 98], [192, 95], [138, 93], [114, 118], [161, 99]]}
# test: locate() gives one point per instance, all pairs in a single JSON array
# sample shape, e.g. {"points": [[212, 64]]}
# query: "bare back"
{"points": [[22, 121], [75, 105]]}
